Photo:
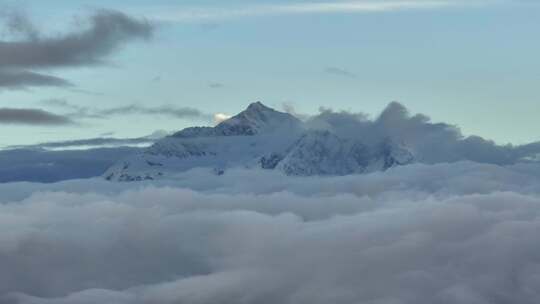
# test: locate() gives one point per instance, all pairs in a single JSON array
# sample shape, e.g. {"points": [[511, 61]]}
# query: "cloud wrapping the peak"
{"points": [[431, 142]]}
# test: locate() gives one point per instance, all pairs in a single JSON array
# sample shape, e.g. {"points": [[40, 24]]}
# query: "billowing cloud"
{"points": [[431, 142], [90, 44], [32, 117], [448, 233]]}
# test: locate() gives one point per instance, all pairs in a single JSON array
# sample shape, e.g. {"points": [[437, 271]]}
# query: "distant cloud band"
{"points": [[83, 112], [32, 117]]}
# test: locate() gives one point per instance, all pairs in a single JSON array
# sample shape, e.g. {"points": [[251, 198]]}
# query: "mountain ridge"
{"points": [[260, 138]]}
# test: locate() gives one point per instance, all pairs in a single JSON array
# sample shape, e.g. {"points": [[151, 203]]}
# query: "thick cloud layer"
{"points": [[461, 233], [98, 37]]}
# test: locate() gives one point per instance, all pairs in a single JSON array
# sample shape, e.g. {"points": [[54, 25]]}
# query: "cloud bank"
{"points": [[23, 58], [461, 233]]}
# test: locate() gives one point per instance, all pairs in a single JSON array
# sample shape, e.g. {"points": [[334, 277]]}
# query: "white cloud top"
{"points": [[447, 233]]}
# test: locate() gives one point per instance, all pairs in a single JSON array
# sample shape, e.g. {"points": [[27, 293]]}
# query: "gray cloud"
{"points": [[166, 110], [467, 236], [78, 112], [32, 117], [104, 141], [107, 30], [18, 24], [23, 79], [98, 37], [340, 72]]}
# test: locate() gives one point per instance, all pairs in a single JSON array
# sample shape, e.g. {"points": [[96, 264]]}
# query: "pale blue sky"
{"points": [[472, 63]]}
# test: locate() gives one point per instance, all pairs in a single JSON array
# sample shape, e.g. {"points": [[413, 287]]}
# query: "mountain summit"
{"points": [[260, 137], [255, 119]]}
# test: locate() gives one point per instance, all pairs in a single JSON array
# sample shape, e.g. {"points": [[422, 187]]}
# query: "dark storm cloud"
{"points": [[32, 117], [339, 72], [97, 37]]}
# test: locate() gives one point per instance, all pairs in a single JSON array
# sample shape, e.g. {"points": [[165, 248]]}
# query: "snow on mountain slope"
{"points": [[172, 155], [259, 137], [324, 153]]}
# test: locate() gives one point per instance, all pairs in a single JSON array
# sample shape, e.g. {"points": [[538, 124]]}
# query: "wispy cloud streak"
{"points": [[172, 14]]}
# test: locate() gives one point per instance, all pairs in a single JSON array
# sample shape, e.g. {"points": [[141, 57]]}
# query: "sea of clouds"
{"points": [[446, 233]]}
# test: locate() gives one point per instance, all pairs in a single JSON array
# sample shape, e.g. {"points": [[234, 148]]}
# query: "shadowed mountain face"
{"points": [[261, 137]]}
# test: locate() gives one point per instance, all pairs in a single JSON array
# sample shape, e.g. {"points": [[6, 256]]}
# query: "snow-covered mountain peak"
{"points": [[256, 119], [258, 107]]}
